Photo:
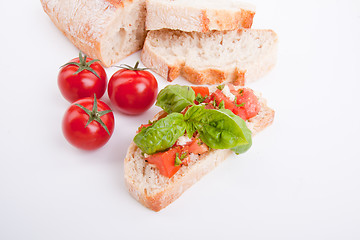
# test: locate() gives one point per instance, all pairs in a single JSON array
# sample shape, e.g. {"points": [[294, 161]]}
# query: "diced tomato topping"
{"points": [[143, 126], [165, 161], [209, 99], [197, 147], [248, 105], [219, 96], [241, 112], [204, 91]]}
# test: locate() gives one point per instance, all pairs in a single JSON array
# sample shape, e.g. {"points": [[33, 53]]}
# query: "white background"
{"points": [[300, 180]]}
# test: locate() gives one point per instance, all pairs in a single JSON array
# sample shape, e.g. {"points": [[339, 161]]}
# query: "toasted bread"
{"points": [[155, 191]]}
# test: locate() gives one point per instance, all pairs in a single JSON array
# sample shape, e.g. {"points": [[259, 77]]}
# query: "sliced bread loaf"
{"points": [[199, 16], [211, 58], [108, 30], [155, 191]]}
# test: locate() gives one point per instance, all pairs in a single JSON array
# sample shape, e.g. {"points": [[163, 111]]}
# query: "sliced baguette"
{"points": [[156, 191], [211, 58], [198, 16], [108, 30]]}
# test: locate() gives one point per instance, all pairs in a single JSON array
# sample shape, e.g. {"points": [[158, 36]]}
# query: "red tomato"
{"points": [[197, 147], [240, 111], [132, 90], [165, 161], [219, 96], [203, 91], [82, 77], [143, 126], [88, 124], [247, 103], [209, 99]]}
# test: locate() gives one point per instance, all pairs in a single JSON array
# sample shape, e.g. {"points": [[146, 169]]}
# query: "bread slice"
{"points": [[198, 16], [156, 191], [108, 30], [211, 58]]}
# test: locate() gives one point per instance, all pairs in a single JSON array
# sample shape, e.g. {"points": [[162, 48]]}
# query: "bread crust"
{"points": [[173, 191], [172, 15], [170, 190], [87, 23]]}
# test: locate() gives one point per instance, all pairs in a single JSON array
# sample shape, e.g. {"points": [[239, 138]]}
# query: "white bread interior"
{"points": [[211, 58], [104, 29], [199, 16]]}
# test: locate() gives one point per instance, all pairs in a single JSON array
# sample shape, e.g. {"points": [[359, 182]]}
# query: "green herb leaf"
{"points": [[183, 155], [222, 105], [177, 160], [216, 128], [162, 134], [200, 98], [175, 98], [214, 104], [247, 133], [190, 130], [221, 87]]}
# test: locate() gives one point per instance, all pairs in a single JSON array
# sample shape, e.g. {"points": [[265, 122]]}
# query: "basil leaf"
{"points": [[247, 133], [216, 128], [162, 134], [174, 98]]}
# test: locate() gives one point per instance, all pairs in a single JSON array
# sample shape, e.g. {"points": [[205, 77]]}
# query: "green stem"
{"points": [[135, 68], [83, 65], [94, 114]]}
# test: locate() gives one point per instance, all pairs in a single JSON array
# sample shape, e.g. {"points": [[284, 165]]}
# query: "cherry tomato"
{"points": [[132, 90], [82, 77], [88, 124]]}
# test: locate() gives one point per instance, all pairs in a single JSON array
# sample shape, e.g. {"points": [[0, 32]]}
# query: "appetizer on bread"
{"points": [[197, 129]]}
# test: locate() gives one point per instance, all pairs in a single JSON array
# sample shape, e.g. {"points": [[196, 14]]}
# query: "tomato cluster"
{"points": [[89, 123]]}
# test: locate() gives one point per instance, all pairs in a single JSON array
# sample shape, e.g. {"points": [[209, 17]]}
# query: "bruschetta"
{"points": [[198, 128]]}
